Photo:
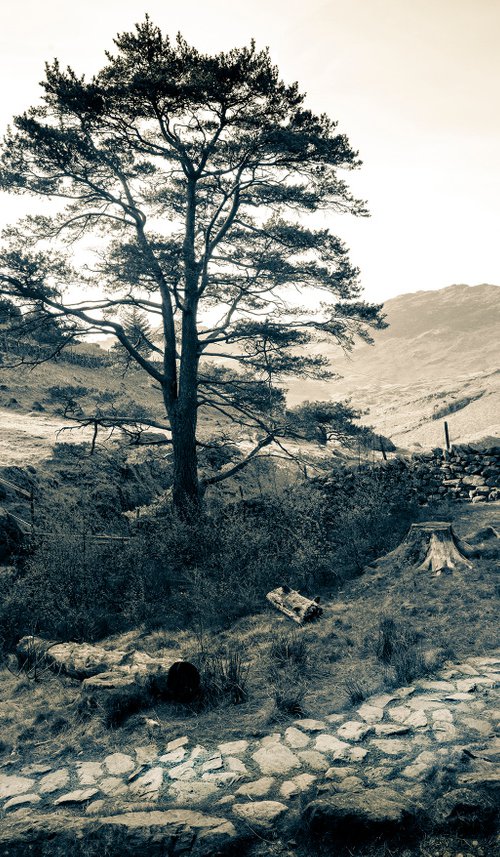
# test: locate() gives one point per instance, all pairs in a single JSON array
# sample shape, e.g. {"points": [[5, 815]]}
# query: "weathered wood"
{"points": [[432, 546], [294, 605]]}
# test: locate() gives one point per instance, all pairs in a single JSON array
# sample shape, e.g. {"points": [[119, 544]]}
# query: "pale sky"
{"points": [[414, 84]]}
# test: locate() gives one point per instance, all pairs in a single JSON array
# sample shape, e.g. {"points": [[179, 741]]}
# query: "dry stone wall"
{"points": [[464, 473]]}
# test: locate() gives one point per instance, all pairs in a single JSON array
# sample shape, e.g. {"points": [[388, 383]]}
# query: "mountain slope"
{"points": [[437, 359]]}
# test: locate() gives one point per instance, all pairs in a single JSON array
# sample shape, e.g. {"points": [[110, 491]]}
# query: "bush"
{"points": [[202, 574]]}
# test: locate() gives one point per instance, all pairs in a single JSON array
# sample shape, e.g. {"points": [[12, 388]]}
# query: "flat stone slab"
{"points": [[296, 739], [17, 802], [78, 796], [276, 759], [259, 788], [12, 785], [371, 713], [314, 760], [54, 782], [119, 763], [353, 730], [308, 724], [262, 813], [233, 748]]}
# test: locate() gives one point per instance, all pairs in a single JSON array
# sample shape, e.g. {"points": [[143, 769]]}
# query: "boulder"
{"points": [[360, 814], [465, 811], [154, 832], [77, 660]]}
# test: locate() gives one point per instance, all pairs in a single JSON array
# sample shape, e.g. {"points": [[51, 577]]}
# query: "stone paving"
{"points": [[394, 740]]}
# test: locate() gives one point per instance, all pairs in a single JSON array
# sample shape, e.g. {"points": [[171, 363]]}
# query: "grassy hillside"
{"points": [[437, 359]]}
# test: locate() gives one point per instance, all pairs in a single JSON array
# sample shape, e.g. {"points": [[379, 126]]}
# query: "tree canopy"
{"points": [[183, 189]]}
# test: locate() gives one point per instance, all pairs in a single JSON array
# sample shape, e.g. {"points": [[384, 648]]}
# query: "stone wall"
{"points": [[465, 473]]}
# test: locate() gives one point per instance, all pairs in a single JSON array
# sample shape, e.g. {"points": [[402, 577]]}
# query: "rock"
{"points": [[192, 793], [276, 759], [183, 772], [391, 728], [371, 713], [175, 745], [443, 714], [400, 713], [95, 807], [236, 765], [119, 763], [444, 731], [353, 731], [424, 703], [149, 784], [174, 756], [307, 724], [115, 694], [78, 796], [436, 685], [12, 785], [296, 739], [221, 778], [333, 746], [89, 772], [129, 833], [54, 782], [37, 768], [314, 760], [417, 720], [181, 831], [359, 814], [484, 727], [113, 786], [339, 773], [22, 800], [349, 784], [465, 811], [263, 813], [391, 746], [233, 748], [213, 764], [259, 788]]}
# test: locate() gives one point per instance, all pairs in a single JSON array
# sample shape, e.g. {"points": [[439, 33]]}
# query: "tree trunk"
{"points": [[431, 546], [186, 489]]}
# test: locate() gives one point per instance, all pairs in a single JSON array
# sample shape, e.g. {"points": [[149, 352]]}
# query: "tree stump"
{"points": [[294, 605], [433, 546]]}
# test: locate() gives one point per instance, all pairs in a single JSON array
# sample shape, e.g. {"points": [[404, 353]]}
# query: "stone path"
{"points": [[394, 742]]}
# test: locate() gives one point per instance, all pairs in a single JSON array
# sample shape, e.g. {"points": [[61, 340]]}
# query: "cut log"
{"points": [[294, 605], [432, 546]]}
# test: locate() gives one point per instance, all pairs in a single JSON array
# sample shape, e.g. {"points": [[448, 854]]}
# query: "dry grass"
{"points": [[325, 667]]}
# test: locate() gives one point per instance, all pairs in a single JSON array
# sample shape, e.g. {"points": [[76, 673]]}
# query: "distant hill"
{"points": [[438, 359]]}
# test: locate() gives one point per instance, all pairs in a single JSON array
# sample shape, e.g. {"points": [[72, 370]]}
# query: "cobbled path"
{"points": [[393, 740]]}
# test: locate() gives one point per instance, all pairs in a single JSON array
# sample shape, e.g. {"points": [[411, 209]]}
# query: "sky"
{"points": [[413, 83]]}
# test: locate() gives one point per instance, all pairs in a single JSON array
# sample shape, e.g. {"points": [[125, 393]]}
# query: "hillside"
{"points": [[437, 359]]}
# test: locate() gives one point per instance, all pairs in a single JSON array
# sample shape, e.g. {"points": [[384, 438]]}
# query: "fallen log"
{"points": [[294, 605]]}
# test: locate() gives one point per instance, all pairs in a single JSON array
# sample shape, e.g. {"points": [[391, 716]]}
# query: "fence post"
{"points": [[447, 436]]}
